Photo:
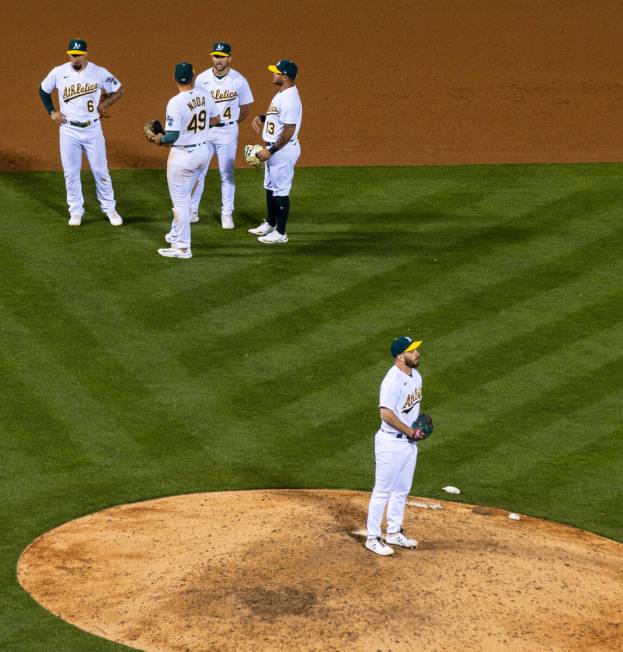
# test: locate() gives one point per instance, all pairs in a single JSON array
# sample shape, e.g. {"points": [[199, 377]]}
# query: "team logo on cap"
{"points": [[220, 47], [76, 45]]}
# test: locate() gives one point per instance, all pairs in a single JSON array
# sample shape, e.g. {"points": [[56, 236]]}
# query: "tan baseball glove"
{"points": [[152, 129], [250, 155]]}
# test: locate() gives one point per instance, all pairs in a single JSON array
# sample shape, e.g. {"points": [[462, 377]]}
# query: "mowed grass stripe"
{"points": [[477, 407], [446, 349]]}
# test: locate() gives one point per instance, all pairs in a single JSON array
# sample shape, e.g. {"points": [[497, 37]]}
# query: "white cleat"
{"points": [[400, 539], [174, 252], [114, 218], [194, 218], [75, 220], [274, 237], [170, 238], [227, 221], [378, 547], [263, 229]]}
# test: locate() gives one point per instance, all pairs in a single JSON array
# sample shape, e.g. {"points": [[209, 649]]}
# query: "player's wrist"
{"points": [[262, 117], [272, 149]]}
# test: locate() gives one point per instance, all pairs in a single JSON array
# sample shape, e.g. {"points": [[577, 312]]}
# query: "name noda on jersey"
{"points": [[189, 112]]}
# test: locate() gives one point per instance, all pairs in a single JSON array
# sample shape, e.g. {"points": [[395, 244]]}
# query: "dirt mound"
{"points": [[286, 570]]}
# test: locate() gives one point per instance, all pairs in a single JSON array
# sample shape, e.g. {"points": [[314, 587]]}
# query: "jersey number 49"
{"points": [[198, 123]]}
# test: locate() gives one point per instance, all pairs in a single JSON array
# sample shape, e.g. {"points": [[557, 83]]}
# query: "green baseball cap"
{"points": [[184, 72], [402, 344], [221, 49], [77, 46], [285, 67]]}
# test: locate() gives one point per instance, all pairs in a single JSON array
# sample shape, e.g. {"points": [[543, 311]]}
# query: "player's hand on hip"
{"points": [[416, 435], [263, 154], [102, 112], [57, 116], [257, 124]]}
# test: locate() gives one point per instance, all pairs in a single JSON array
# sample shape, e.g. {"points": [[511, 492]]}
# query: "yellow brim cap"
{"points": [[223, 55], [275, 70], [76, 51], [413, 346]]}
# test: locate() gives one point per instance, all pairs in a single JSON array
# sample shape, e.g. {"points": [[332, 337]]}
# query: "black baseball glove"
{"points": [[424, 424]]}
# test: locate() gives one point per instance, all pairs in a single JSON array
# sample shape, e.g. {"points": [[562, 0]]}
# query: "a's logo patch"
{"points": [[169, 121]]}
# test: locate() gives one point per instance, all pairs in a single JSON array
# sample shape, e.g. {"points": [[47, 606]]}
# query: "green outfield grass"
{"points": [[128, 376]]}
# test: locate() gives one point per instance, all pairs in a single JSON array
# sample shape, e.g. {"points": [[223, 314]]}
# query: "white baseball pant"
{"points": [[226, 156], [73, 141], [279, 170], [395, 466], [184, 166]]}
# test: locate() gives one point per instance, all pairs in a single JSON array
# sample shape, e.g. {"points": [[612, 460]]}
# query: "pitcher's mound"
{"points": [[284, 570]]}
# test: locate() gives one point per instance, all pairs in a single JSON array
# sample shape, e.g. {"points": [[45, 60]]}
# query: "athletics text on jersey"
{"points": [[402, 395], [285, 109], [228, 93], [79, 91]]}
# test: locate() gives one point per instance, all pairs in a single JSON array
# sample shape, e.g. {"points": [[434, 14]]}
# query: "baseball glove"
{"points": [[424, 424], [250, 155], [152, 129]]}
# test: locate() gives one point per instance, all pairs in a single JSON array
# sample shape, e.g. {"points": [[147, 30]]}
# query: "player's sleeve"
{"points": [[214, 111], [290, 114], [387, 396], [173, 120], [109, 82], [49, 83], [244, 92]]}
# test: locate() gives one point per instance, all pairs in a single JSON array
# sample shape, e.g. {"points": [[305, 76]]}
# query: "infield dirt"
{"points": [[286, 570], [397, 83]]}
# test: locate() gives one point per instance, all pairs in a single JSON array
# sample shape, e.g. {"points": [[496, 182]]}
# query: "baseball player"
{"points": [[85, 91], [232, 94], [395, 447], [280, 128], [189, 116]]}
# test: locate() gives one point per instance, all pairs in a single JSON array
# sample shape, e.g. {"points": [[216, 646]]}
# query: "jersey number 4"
{"points": [[198, 123]]}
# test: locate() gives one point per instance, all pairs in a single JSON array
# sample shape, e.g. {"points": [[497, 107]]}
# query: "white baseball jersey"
{"points": [[285, 109], [402, 395], [189, 112], [79, 91], [228, 92]]}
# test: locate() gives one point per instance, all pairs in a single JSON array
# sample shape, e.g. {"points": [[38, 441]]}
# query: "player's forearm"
{"points": [[110, 99], [46, 98], [283, 139], [169, 137], [244, 112], [392, 420]]}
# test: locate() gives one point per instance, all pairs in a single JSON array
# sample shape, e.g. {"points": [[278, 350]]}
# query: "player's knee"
{"points": [[381, 492], [101, 174]]}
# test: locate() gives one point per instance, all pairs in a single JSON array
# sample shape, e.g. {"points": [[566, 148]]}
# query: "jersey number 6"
{"points": [[198, 123], [90, 106]]}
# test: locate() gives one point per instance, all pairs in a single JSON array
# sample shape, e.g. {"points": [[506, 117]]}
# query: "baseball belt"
{"points": [[205, 142], [224, 124], [393, 434], [82, 125]]}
